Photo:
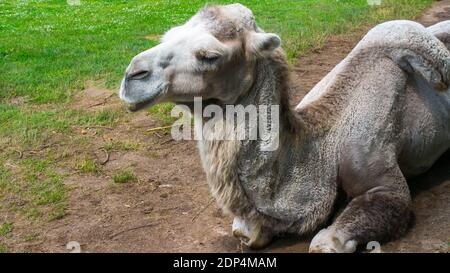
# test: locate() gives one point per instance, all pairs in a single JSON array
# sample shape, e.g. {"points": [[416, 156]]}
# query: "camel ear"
{"points": [[262, 43]]}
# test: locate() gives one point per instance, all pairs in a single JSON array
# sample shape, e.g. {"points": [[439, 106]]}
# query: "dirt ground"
{"points": [[169, 208]]}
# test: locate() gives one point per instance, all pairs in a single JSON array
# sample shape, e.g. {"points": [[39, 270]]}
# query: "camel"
{"points": [[380, 116]]}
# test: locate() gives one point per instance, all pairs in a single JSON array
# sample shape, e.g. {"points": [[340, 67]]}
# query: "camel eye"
{"points": [[207, 57]]}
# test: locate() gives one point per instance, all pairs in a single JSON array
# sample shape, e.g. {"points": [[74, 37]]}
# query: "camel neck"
{"points": [[271, 87], [292, 170], [252, 182]]}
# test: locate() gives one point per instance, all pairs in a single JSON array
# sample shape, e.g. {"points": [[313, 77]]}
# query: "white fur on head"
{"points": [[210, 56]]}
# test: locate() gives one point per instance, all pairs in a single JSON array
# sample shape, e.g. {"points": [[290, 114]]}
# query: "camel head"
{"points": [[211, 56]]}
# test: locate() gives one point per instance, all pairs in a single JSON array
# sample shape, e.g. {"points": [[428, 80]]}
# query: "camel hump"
{"points": [[413, 47], [442, 32]]}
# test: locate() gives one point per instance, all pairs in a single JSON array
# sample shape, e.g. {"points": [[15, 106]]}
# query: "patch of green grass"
{"points": [[31, 237], [58, 212], [5, 229], [50, 190], [124, 177], [36, 192], [121, 146], [306, 24], [3, 249], [87, 166], [5, 177], [33, 213], [35, 165], [21, 126], [108, 117], [162, 111]]}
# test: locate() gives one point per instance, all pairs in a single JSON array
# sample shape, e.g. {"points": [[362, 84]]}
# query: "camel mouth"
{"points": [[134, 107], [140, 100], [140, 105]]}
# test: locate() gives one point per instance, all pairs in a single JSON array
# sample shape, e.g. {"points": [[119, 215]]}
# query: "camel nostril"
{"points": [[138, 75]]}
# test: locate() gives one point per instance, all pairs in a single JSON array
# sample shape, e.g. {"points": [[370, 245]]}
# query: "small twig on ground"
{"points": [[107, 157], [131, 229], [201, 211], [75, 172], [43, 147], [167, 141], [159, 128], [10, 165], [99, 127], [20, 154], [103, 102]]}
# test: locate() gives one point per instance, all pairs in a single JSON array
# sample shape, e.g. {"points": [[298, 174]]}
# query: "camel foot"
{"points": [[251, 234], [330, 241]]}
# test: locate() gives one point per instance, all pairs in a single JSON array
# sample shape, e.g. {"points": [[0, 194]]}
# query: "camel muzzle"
{"points": [[141, 93]]}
